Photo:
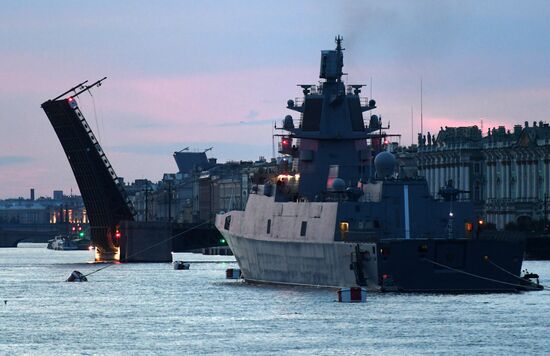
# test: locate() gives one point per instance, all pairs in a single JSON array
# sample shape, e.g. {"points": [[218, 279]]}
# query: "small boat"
{"points": [[181, 265], [62, 242]]}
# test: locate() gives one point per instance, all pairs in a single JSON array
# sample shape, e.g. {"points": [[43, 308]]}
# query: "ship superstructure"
{"points": [[342, 216]]}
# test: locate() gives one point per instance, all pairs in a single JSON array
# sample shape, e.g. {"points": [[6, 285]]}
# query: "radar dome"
{"points": [[338, 185], [384, 162]]}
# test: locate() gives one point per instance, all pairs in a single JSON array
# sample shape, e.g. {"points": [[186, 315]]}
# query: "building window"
{"points": [[227, 222], [303, 228], [268, 226]]}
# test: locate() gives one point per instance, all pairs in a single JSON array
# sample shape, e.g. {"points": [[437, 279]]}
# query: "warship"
{"points": [[343, 216]]}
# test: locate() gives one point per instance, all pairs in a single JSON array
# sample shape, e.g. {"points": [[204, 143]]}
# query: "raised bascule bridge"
{"points": [[114, 231], [103, 194]]}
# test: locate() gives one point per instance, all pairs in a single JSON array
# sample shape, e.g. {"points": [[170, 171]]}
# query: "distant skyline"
{"points": [[218, 74]]}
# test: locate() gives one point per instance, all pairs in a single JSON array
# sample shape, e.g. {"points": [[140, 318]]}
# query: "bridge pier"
{"points": [[145, 242]]}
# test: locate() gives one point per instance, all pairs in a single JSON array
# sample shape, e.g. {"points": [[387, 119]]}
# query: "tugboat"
{"points": [[339, 218]]}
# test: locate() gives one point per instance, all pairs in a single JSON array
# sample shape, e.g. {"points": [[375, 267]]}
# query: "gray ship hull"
{"points": [[459, 266], [272, 245], [451, 266], [302, 263]]}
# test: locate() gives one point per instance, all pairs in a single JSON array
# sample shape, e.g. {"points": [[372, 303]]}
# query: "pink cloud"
{"points": [[210, 98]]}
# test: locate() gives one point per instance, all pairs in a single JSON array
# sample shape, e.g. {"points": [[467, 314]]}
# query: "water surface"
{"points": [[153, 309]]}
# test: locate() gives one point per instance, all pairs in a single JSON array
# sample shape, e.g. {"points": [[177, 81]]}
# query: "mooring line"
{"points": [[504, 270], [478, 276]]}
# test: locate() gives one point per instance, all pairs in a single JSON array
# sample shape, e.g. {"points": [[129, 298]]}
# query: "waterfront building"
{"points": [[44, 210], [201, 189], [505, 173]]}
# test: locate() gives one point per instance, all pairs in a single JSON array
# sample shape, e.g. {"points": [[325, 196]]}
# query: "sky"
{"points": [[218, 73]]}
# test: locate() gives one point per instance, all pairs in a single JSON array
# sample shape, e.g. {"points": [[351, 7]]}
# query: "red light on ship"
{"points": [[285, 145], [118, 235]]}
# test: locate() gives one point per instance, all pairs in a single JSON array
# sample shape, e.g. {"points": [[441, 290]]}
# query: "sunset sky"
{"points": [[217, 74]]}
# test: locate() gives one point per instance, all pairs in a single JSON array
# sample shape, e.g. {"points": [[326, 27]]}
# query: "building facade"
{"points": [[505, 173], [44, 210], [199, 194]]}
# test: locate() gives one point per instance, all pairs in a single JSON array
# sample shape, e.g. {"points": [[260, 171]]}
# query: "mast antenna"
{"points": [[273, 139], [412, 126], [421, 112], [339, 43], [370, 88]]}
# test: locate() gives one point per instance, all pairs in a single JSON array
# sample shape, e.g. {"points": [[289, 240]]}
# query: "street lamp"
{"points": [[546, 212], [169, 180], [146, 200]]}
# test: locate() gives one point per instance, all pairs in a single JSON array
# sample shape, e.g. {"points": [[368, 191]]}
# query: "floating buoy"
{"points": [[76, 276], [181, 265], [352, 295], [232, 273]]}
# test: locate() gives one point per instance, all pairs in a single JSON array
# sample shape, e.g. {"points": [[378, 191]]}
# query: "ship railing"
{"points": [[316, 90], [505, 201], [299, 101]]}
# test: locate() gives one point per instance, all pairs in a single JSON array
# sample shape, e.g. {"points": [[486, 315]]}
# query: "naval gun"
{"points": [[449, 192]]}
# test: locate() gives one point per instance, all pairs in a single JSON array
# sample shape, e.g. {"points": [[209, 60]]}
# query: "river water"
{"points": [[153, 309]]}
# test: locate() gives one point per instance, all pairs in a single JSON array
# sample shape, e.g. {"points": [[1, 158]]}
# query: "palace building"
{"points": [[505, 173]]}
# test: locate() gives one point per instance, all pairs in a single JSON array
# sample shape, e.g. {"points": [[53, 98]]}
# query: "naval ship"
{"points": [[341, 216]]}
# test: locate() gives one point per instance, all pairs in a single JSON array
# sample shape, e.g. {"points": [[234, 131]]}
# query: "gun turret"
{"points": [[449, 192]]}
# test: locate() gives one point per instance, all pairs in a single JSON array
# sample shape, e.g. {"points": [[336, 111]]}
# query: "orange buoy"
{"points": [[352, 295], [233, 273]]}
